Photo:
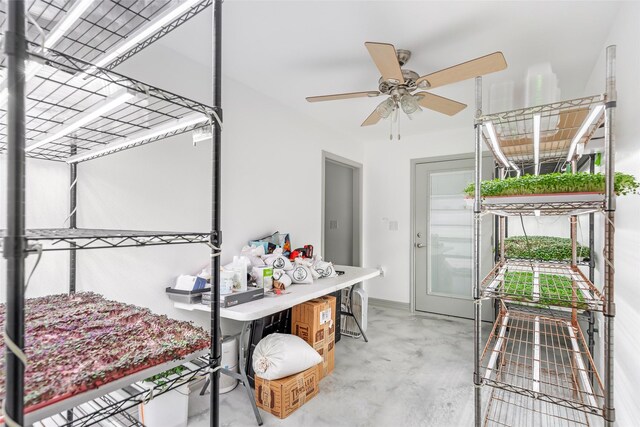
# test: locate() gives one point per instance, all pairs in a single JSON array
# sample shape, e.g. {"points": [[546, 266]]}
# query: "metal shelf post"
{"points": [[609, 231], [216, 234], [15, 242], [477, 312]]}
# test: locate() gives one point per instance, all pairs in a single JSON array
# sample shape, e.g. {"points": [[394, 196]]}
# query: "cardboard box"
{"points": [[282, 397], [315, 321]]}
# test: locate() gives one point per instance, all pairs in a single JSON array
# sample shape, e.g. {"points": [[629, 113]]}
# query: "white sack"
{"points": [[280, 355], [300, 274], [254, 255], [282, 277], [278, 261]]}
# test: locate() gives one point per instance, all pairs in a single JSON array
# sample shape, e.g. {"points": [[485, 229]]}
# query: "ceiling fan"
{"points": [[401, 84]]}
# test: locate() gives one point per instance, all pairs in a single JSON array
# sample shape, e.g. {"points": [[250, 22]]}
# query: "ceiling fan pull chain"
{"points": [[391, 130], [399, 127]]}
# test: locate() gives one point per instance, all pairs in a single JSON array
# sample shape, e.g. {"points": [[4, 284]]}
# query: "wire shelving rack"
{"points": [[61, 100], [536, 363]]}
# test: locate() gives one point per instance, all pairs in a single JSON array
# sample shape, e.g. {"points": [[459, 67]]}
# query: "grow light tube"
{"points": [[70, 18], [536, 355], [583, 129], [32, 68], [493, 139], [100, 109], [141, 136], [582, 370], [515, 168], [497, 348], [142, 35], [536, 144]]}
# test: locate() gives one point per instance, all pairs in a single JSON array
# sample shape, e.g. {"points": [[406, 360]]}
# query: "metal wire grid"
{"points": [[103, 26], [559, 123], [543, 358], [542, 283], [116, 403], [60, 93], [510, 409], [64, 239]]}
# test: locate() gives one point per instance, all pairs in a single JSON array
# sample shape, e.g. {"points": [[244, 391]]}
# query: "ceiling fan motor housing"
{"points": [[409, 76]]}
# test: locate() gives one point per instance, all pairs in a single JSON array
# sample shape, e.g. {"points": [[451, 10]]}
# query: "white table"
{"points": [[298, 294]]}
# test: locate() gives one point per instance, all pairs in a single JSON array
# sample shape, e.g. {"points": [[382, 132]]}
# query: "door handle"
{"points": [[420, 245]]}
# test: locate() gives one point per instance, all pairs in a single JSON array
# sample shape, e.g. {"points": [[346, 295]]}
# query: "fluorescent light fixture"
{"points": [[142, 136], [76, 11], [583, 129], [144, 33], [536, 143], [33, 67], [493, 139], [102, 108]]}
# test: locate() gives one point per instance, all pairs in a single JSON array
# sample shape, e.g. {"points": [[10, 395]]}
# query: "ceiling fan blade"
{"points": [[467, 70], [349, 95], [440, 104], [386, 59], [373, 118]]}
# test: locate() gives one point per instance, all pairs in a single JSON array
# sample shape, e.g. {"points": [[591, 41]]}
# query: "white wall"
{"points": [[625, 33], [46, 207]]}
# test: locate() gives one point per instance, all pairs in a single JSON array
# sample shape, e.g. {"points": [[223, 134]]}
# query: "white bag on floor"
{"points": [[280, 355]]}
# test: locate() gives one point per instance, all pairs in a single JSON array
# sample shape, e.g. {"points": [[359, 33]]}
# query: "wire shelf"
{"points": [[544, 204], [507, 409], [66, 90], [64, 239], [115, 401], [542, 284], [543, 358], [560, 122], [103, 26]]}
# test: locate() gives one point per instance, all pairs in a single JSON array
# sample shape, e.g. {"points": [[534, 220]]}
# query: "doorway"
{"points": [[442, 237], [341, 210]]}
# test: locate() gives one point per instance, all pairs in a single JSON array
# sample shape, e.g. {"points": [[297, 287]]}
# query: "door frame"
{"points": [[357, 213], [412, 225]]}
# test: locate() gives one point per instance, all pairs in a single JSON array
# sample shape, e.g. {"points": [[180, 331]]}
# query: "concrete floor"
{"points": [[415, 371]]}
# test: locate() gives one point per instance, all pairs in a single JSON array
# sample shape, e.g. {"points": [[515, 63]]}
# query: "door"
{"points": [[443, 239], [341, 219]]}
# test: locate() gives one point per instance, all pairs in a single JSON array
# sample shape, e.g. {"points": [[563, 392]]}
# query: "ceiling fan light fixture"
{"points": [[385, 108], [409, 104]]}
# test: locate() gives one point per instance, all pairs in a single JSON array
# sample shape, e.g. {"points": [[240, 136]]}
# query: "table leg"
{"points": [[241, 364], [242, 376], [350, 314]]}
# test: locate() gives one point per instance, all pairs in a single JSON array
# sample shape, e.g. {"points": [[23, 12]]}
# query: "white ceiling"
{"points": [[292, 49]]}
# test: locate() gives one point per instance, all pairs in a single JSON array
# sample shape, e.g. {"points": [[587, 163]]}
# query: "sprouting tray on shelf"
{"points": [[542, 283], [84, 345], [544, 358], [544, 204]]}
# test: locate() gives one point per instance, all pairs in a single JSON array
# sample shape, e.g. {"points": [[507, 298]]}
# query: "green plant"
{"points": [[162, 378], [542, 248], [582, 182], [554, 290]]}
